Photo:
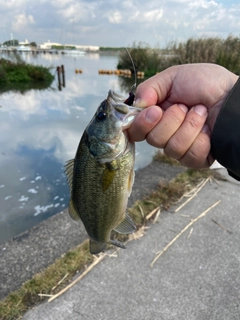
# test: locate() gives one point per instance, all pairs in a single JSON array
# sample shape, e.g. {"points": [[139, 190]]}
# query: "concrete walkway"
{"points": [[198, 277]]}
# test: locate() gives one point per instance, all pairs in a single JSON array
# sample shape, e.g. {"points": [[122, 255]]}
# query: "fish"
{"points": [[101, 175]]}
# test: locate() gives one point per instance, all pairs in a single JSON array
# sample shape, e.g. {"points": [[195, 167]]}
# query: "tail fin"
{"points": [[97, 247]]}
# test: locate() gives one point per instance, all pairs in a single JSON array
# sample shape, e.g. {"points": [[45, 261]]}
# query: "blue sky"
{"points": [[117, 22]]}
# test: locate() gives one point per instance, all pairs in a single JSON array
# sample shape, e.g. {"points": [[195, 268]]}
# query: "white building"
{"points": [[87, 48], [23, 43], [48, 45]]}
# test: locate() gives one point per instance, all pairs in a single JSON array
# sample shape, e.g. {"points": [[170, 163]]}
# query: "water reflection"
{"points": [[40, 131]]}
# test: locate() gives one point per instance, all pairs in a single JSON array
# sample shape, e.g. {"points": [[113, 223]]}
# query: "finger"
{"points": [[155, 89], [144, 122], [198, 155], [171, 121], [182, 140]]}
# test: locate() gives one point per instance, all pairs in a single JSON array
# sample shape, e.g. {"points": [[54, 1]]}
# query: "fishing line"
{"points": [[133, 87]]}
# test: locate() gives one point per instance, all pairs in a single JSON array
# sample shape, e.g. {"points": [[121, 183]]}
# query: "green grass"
{"points": [[16, 303], [75, 261], [18, 74], [163, 158]]}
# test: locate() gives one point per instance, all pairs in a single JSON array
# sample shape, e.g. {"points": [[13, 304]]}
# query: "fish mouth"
{"points": [[123, 108]]}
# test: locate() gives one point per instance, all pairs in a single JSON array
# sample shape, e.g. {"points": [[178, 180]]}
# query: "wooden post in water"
{"points": [[63, 75], [59, 78]]}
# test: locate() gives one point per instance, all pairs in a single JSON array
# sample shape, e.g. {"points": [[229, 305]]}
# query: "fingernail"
{"points": [[206, 129], [152, 115], [183, 107], [139, 103], [200, 109], [136, 101]]}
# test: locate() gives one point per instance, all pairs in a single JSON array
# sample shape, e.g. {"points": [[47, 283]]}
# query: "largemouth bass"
{"points": [[102, 173]]}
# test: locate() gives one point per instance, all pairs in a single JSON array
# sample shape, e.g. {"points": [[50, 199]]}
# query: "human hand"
{"points": [[190, 97]]}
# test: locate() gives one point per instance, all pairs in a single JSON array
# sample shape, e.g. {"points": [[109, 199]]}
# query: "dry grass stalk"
{"points": [[183, 230], [92, 265], [194, 192], [153, 202], [156, 212], [190, 233], [59, 282], [141, 210], [138, 234], [221, 226]]}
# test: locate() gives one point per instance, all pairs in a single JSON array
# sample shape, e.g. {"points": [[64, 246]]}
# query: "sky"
{"points": [[117, 22]]}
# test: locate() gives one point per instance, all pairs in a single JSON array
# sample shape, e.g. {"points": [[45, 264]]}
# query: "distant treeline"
{"points": [[224, 52]]}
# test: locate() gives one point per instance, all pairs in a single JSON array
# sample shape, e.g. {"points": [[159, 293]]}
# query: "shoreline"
{"points": [[33, 250]]}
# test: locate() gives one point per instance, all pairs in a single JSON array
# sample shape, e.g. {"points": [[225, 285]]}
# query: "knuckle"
{"points": [[173, 149], [154, 140], [174, 116], [196, 156], [194, 122]]}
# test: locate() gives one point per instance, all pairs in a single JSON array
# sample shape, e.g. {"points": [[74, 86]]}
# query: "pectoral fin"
{"points": [[126, 226], [72, 211], [108, 175], [130, 182]]}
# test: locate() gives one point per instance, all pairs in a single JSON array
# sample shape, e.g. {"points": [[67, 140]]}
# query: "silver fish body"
{"points": [[102, 174]]}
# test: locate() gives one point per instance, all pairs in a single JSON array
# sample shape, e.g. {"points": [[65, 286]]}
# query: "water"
{"points": [[40, 131]]}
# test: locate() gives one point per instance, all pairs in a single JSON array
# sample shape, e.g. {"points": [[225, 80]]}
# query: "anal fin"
{"points": [[126, 226]]}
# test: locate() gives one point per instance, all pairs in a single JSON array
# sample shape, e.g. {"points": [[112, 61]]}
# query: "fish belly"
{"points": [[101, 209]]}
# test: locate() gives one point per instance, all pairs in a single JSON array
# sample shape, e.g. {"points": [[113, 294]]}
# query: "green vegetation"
{"points": [[18, 75], [76, 260], [18, 302], [111, 49], [33, 44], [163, 158], [64, 47], [13, 42], [145, 59], [224, 52]]}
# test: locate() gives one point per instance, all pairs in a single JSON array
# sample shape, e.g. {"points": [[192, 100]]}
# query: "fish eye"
{"points": [[101, 116]]}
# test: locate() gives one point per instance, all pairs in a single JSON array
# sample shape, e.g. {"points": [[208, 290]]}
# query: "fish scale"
{"points": [[102, 173]]}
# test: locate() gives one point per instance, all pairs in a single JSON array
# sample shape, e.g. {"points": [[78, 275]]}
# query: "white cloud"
{"points": [[153, 15], [117, 23], [115, 17]]}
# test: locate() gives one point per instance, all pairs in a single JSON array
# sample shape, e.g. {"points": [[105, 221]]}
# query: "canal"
{"points": [[40, 131]]}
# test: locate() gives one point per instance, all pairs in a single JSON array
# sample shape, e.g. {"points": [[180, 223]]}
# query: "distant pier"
{"points": [[44, 51]]}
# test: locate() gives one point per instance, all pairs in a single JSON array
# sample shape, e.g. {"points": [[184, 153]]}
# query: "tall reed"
{"points": [[225, 52]]}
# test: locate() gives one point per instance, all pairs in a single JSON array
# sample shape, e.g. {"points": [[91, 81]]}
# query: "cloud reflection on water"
{"points": [[40, 131]]}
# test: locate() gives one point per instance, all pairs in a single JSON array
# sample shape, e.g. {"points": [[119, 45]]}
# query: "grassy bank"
{"points": [[21, 76], [224, 52], [75, 261]]}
